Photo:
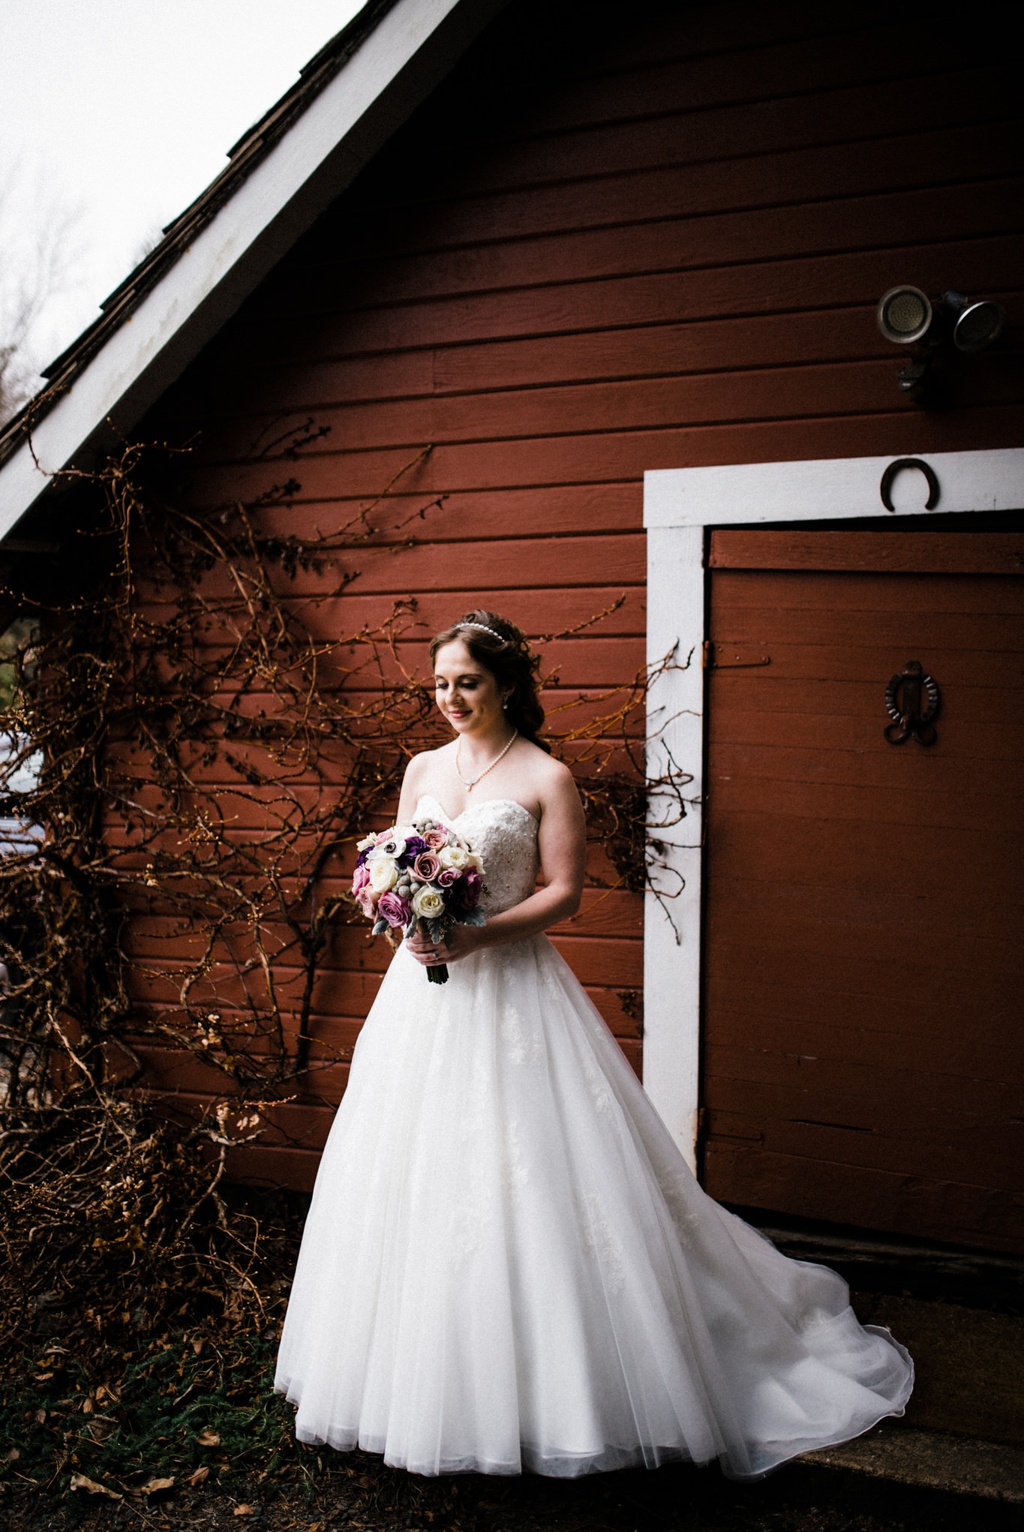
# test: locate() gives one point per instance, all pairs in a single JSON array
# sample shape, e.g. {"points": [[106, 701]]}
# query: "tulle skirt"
{"points": [[507, 1265]]}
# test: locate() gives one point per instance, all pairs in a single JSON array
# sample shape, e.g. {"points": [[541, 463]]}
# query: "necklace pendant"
{"points": [[469, 785]]}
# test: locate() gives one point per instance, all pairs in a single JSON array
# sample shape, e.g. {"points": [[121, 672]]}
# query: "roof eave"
{"points": [[409, 51]]}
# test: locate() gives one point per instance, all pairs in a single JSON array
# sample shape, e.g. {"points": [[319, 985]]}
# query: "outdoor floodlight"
{"points": [[976, 325], [908, 317], [904, 315]]}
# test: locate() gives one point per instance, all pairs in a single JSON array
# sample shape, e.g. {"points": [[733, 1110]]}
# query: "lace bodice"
{"points": [[505, 835]]}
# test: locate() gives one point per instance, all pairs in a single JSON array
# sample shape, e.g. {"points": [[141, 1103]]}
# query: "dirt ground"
{"points": [[359, 1495]]}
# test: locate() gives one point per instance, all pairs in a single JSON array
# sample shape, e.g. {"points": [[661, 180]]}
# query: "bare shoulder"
{"points": [[555, 774], [421, 765], [418, 774], [553, 781]]}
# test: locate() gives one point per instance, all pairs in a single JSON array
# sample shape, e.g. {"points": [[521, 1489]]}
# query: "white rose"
{"points": [[366, 842], [475, 860], [383, 874], [453, 856], [427, 903]]}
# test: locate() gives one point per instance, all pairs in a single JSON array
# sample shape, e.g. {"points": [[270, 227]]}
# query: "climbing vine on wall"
{"points": [[195, 736]]}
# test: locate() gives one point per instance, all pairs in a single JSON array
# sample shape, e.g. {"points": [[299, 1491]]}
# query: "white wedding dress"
{"points": [[507, 1265]]}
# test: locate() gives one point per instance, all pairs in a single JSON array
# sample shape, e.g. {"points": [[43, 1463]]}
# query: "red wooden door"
{"points": [[864, 1053]]}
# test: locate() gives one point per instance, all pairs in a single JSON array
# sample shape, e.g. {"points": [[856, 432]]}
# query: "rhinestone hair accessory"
{"points": [[482, 626]]}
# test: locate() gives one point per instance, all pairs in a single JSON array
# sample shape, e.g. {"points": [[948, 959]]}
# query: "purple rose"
{"points": [[447, 876], [393, 909], [466, 893]]}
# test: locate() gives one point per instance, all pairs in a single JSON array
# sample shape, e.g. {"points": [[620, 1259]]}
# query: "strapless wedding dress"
{"points": [[508, 1265]]}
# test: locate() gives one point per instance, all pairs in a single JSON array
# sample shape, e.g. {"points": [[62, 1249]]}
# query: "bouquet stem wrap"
{"points": [[437, 973]]}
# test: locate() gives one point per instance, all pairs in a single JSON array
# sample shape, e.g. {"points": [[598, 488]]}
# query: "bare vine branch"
{"points": [[211, 740]]}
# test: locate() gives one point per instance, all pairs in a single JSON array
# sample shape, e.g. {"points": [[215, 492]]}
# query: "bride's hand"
{"points": [[459, 943]]}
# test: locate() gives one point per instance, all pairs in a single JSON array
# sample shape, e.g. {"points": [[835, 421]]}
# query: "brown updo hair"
{"points": [[506, 653]]}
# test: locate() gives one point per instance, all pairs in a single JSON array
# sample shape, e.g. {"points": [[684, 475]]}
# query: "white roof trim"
{"points": [[413, 46]]}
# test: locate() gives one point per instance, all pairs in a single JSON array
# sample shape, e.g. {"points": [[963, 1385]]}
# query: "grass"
{"points": [[185, 1408]]}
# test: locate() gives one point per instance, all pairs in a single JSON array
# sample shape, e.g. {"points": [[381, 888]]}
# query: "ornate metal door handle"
{"points": [[912, 701]]}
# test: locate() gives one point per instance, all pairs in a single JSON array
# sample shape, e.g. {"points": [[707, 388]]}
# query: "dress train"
{"points": [[508, 1265]]}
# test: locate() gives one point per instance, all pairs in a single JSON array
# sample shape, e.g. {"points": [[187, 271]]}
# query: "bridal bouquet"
{"points": [[420, 874]]}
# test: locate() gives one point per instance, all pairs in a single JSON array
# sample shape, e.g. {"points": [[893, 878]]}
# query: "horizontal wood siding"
{"points": [[612, 240]]}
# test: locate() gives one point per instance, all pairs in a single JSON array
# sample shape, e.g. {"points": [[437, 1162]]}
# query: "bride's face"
{"points": [[466, 693]]}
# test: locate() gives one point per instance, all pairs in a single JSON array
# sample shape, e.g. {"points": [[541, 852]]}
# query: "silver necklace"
{"points": [[470, 782]]}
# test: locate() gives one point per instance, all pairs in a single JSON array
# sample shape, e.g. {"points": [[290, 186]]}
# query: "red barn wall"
{"points": [[611, 241]]}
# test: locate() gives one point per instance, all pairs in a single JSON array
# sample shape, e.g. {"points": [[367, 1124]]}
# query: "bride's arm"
{"points": [[562, 841], [410, 794]]}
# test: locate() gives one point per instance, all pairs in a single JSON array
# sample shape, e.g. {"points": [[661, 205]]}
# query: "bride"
{"points": [[506, 1263]]}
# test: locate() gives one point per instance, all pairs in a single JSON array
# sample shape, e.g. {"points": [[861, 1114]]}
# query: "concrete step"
{"points": [[987, 1473]]}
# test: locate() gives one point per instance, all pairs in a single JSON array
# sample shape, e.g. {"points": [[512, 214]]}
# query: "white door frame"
{"points": [[680, 505]]}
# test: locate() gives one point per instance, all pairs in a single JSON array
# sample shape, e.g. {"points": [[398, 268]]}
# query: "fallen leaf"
{"points": [[154, 1486], [41, 1417], [208, 1438], [13, 1454], [197, 1344], [198, 1475], [87, 1407], [243, 1510], [79, 1481], [42, 1377]]}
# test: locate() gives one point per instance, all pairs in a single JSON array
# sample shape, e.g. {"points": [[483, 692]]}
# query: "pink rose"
{"points": [[360, 878], [426, 866], [435, 839], [393, 909], [366, 902], [447, 876]]}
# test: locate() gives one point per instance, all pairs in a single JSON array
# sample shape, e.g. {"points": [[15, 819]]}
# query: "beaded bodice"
{"points": [[505, 835]]}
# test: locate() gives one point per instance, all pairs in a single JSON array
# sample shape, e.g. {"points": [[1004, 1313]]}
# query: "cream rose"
{"points": [[427, 903], [453, 856], [383, 874]]}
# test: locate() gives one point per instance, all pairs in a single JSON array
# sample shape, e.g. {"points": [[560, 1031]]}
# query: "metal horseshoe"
{"points": [[895, 467]]}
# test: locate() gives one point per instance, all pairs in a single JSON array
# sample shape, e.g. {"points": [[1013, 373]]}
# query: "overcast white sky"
{"points": [[123, 110]]}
